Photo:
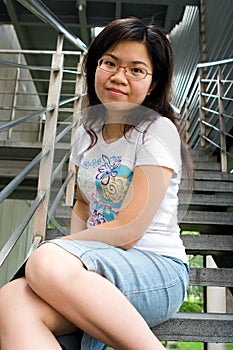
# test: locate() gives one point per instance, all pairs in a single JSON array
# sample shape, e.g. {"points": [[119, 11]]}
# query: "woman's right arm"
{"points": [[80, 213]]}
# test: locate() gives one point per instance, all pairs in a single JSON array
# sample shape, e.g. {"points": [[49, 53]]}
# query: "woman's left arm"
{"points": [[147, 190]]}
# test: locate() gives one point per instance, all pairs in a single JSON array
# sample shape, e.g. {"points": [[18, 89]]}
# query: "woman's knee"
{"points": [[11, 297], [18, 302], [42, 264], [51, 265]]}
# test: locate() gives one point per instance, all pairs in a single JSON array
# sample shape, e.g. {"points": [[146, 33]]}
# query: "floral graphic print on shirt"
{"points": [[112, 180]]}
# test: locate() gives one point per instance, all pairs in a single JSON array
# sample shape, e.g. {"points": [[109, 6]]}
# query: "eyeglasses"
{"points": [[133, 72]]}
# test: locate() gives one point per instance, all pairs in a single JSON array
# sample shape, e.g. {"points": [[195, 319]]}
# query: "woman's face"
{"points": [[118, 87]]}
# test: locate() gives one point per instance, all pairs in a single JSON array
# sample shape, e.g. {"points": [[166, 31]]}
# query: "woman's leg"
{"points": [[26, 321], [88, 300]]}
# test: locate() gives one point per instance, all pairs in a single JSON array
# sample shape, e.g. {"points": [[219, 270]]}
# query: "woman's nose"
{"points": [[120, 74]]}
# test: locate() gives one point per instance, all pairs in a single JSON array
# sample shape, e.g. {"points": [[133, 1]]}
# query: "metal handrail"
{"points": [[217, 146], [57, 69], [214, 63], [25, 66], [38, 52], [63, 133], [9, 245], [60, 166], [11, 124], [68, 100], [39, 9], [21, 176], [214, 108], [196, 74], [59, 195]]}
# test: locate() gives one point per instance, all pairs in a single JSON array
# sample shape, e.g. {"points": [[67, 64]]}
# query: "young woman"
{"points": [[123, 268]]}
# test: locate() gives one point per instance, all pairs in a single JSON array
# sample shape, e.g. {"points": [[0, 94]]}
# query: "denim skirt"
{"points": [[154, 284]]}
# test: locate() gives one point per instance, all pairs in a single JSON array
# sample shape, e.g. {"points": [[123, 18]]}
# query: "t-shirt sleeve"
{"points": [[160, 145], [80, 144]]}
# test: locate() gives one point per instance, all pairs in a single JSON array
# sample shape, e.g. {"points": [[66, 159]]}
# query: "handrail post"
{"points": [[223, 153], [46, 165], [202, 71], [76, 121], [14, 97], [187, 121], [202, 115]]}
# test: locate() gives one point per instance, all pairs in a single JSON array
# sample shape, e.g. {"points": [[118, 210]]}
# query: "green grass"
{"points": [[185, 346], [188, 346]]}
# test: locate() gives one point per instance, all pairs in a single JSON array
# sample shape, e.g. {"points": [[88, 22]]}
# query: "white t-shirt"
{"points": [[106, 170]]}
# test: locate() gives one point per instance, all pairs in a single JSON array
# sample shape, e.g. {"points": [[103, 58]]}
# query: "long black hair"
{"points": [[162, 58]]}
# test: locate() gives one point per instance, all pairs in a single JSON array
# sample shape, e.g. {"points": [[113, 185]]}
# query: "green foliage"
{"points": [[185, 346], [191, 346], [194, 301], [188, 306]]}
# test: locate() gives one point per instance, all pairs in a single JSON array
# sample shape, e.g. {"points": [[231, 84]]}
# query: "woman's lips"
{"points": [[116, 92]]}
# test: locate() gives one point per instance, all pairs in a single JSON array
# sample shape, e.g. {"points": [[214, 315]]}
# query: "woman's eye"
{"points": [[109, 63], [136, 70]]}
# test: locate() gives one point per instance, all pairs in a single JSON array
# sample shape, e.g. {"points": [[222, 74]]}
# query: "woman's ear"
{"points": [[152, 86]]}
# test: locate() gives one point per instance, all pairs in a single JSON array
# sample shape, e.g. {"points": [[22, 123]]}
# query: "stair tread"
{"points": [[216, 199], [207, 166], [217, 277], [185, 216], [202, 242], [204, 327], [202, 217], [210, 185], [213, 175]]}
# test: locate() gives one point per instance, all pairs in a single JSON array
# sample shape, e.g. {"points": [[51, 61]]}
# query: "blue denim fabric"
{"points": [[156, 285]]}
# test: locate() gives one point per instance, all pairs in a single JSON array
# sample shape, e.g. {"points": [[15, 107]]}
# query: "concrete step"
{"points": [[203, 222], [210, 185], [216, 277], [19, 150], [194, 243], [194, 327], [213, 175], [11, 168], [208, 244], [207, 218], [203, 200], [202, 157], [207, 166], [187, 327], [196, 217]]}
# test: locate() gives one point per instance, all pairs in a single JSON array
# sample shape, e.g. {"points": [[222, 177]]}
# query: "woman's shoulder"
{"points": [[159, 126], [81, 137], [162, 124]]}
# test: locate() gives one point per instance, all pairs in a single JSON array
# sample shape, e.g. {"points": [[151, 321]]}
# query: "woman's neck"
{"points": [[112, 132]]}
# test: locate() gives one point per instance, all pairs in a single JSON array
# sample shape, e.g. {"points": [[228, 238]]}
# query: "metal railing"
{"points": [[46, 155], [39, 9], [27, 93], [207, 113], [52, 125]]}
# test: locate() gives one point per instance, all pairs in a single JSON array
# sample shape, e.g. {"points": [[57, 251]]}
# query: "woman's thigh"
{"points": [[18, 302], [154, 284]]}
